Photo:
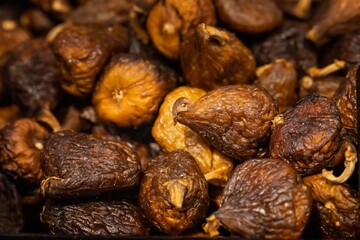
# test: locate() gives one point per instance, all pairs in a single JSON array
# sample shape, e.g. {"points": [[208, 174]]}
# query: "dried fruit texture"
{"points": [[108, 218], [37, 21], [20, 145], [174, 193], [265, 198], [280, 80], [33, 76], [101, 13], [171, 20], [58, 8], [256, 16], [287, 42], [131, 89], [82, 52], [298, 8], [325, 86], [345, 100], [172, 136], [308, 134], [211, 58], [337, 207], [235, 119], [79, 165], [349, 48], [11, 220], [8, 114], [339, 17]]}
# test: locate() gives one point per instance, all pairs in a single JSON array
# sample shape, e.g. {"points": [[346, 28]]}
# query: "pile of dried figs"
{"points": [[191, 118]]}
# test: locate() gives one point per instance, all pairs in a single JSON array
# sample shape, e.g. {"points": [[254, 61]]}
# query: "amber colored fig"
{"points": [[131, 89], [174, 193], [211, 58], [252, 17], [234, 119], [82, 52], [8, 114], [325, 86], [264, 199], [171, 20], [215, 166], [339, 17], [308, 134], [20, 145], [11, 219], [106, 218], [345, 100], [287, 42], [59, 8], [337, 207], [280, 80], [77, 165]]}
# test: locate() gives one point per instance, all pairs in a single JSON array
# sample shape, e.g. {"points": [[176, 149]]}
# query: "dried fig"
{"points": [[174, 193], [298, 8], [348, 48], [171, 20], [215, 166], [234, 119], [325, 86], [131, 89], [211, 58]]}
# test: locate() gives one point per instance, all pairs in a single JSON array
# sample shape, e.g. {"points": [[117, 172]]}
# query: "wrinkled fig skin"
{"points": [[337, 206], [11, 220], [349, 48], [81, 52], [101, 13], [309, 135], [155, 195], [131, 89], [265, 198], [33, 76], [211, 58], [243, 16], [113, 218], [235, 119], [339, 17], [325, 86], [280, 80], [20, 145], [170, 21], [79, 165], [215, 166], [287, 42], [345, 100]]}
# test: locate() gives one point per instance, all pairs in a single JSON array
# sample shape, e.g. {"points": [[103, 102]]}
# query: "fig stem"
{"points": [[322, 72], [180, 105], [177, 191], [302, 9], [278, 119], [306, 82], [47, 117], [218, 174], [212, 226], [212, 33], [349, 163]]}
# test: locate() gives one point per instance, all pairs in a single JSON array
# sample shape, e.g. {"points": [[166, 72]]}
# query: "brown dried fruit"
{"points": [[82, 52], [131, 89], [264, 198], [337, 207], [79, 165], [174, 193], [307, 135], [215, 166], [345, 100], [348, 48], [59, 8], [107, 218], [252, 17], [280, 80], [234, 119], [339, 17], [20, 145], [325, 86], [211, 58], [11, 219], [298, 8], [287, 42], [171, 20], [8, 114], [36, 21]]}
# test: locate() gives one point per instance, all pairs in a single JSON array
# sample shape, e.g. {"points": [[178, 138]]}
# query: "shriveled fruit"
{"points": [[174, 193], [78, 165], [172, 136], [131, 89], [234, 119], [264, 198], [213, 57]]}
